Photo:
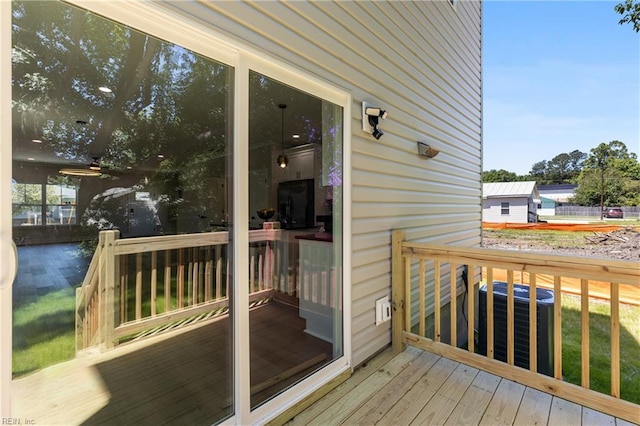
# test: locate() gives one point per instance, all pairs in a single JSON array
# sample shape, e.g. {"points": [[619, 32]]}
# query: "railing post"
{"points": [[108, 277], [79, 319], [397, 291]]}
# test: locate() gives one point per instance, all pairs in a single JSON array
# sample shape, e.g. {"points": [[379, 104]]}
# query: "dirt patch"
{"points": [[623, 243]]}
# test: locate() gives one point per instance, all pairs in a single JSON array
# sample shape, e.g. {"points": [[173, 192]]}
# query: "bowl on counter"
{"points": [[266, 214]]}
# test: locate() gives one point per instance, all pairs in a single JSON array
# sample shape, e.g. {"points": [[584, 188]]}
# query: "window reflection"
{"points": [[118, 135], [296, 252]]}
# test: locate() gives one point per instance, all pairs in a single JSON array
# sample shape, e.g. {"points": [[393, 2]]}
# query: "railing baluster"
{"points": [[437, 333], [510, 319], [180, 278], [533, 324], [252, 274], [422, 290], [228, 275], [124, 288], [407, 291], [154, 282], [557, 328], [218, 282], [471, 315], [260, 270], [584, 306], [208, 275], [453, 280], [167, 280], [490, 337], [190, 281], [138, 286], [615, 340]]}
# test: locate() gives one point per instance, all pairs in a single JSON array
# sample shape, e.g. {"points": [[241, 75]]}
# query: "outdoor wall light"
{"points": [[425, 150], [370, 118]]}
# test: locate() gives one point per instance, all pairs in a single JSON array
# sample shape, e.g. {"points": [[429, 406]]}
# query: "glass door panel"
{"points": [[295, 236], [122, 149]]}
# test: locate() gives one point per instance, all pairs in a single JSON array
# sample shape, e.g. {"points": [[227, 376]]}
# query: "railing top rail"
{"points": [[609, 270], [171, 242]]}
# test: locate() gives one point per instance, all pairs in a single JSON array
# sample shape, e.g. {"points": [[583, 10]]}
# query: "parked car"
{"points": [[613, 213]]}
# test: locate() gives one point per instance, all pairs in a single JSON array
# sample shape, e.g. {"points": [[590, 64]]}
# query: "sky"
{"points": [[557, 76]]}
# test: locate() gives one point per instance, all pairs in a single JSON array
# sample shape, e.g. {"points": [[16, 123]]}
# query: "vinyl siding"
{"points": [[518, 210], [421, 62]]}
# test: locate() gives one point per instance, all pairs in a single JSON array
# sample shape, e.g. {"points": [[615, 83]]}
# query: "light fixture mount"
{"points": [[425, 150], [371, 117]]}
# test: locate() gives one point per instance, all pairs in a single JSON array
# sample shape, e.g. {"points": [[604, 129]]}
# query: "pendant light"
{"points": [[282, 159]]}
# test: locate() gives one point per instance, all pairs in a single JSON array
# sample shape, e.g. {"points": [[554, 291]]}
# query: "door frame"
{"points": [[158, 20]]}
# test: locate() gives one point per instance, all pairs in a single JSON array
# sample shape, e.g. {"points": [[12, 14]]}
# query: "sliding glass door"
{"points": [[178, 216], [119, 137], [295, 235]]}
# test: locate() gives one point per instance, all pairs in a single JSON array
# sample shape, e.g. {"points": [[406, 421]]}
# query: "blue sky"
{"points": [[558, 76]]}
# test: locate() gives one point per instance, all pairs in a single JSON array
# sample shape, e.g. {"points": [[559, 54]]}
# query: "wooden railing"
{"points": [[425, 277], [128, 278]]}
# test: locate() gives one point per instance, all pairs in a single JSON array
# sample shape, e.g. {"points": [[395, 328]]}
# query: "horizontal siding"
{"points": [[421, 62], [518, 210]]}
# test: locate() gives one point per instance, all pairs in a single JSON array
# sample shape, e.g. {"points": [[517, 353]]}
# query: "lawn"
{"points": [[44, 332], [600, 346]]}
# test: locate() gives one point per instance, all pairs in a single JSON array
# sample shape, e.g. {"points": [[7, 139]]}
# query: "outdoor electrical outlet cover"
{"points": [[383, 310]]}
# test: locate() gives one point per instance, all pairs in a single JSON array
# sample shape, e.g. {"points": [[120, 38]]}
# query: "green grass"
{"points": [[44, 332], [600, 346]]}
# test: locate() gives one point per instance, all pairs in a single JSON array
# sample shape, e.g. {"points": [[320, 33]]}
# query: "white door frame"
{"points": [[154, 19], [5, 210]]}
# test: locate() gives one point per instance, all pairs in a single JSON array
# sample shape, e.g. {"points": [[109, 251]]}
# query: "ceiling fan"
{"points": [[94, 168]]}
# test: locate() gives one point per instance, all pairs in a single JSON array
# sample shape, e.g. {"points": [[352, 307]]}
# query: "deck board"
{"points": [[412, 388], [564, 412], [180, 377], [503, 407], [534, 408], [406, 410], [475, 400], [365, 390], [382, 401], [442, 404], [444, 393]]}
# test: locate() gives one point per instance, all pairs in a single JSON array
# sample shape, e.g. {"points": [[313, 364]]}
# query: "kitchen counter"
{"points": [[318, 236]]}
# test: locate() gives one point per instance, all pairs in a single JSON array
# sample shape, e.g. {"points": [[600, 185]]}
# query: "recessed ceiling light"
{"points": [[104, 89], [36, 140], [160, 156], [296, 136]]}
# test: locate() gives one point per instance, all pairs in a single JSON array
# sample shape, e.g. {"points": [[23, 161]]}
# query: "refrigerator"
{"points": [[296, 204]]}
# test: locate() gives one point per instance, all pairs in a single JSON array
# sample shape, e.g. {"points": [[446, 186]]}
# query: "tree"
{"points": [[538, 172], [601, 177], [563, 168], [630, 12], [499, 176]]}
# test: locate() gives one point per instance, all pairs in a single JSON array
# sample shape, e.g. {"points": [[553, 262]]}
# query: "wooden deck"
{"points": [[420, 388], [180, 377]]}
